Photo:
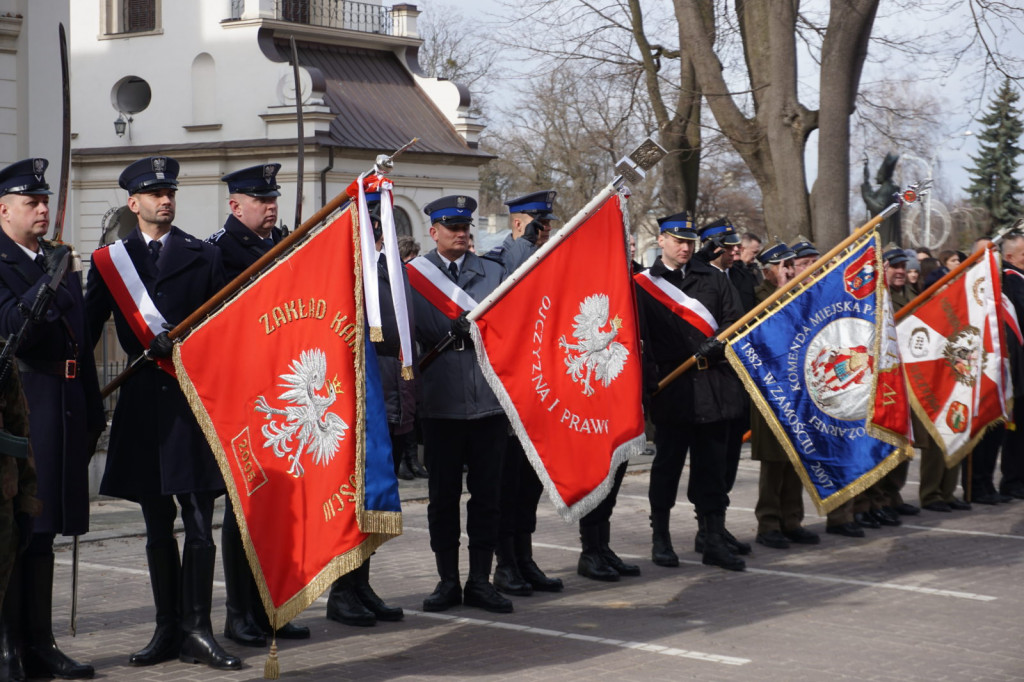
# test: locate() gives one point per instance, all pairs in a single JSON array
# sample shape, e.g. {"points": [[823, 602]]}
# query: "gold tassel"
{"points": [[407, 373], [272, 669], [376, 335]]}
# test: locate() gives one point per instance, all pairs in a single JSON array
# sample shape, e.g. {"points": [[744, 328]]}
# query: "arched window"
{"points": [[403, 226], [204, 90]]}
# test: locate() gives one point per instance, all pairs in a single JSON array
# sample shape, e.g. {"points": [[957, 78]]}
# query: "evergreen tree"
{"points": [[994, 185]]}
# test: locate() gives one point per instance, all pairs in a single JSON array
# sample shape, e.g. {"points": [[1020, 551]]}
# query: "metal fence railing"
{"points": [[355, 16]]}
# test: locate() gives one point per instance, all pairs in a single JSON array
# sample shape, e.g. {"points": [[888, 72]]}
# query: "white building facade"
{"points": [[208, 83]]}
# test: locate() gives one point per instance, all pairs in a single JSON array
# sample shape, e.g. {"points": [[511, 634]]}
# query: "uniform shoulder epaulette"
{"points": [[495, 254], [212, 239]]}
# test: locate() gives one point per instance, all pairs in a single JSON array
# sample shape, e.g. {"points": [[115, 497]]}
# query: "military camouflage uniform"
{"points": [[17, 476]]}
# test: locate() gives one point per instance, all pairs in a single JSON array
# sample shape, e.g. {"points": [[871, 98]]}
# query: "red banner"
{"points": [[955, 355], [276, 379], [562, 352]]}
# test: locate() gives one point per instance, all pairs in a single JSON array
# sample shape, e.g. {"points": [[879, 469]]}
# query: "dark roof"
{"points": [[378, 103]]}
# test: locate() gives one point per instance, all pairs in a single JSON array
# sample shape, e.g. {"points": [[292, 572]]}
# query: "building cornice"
{"points": [[10, 29], [259, 148]]}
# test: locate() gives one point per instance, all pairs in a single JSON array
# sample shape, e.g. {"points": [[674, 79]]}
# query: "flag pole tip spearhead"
{"points": [[386, 162], [914, 192], [634, 167]]}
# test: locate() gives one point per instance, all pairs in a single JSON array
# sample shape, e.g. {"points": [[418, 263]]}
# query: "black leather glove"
{"points": [[54, 257], [460, 327], [533, 231], [161, 346], [25, 525], [711, 349], [709, 252]]}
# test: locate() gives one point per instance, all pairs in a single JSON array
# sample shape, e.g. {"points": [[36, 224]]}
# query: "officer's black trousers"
{"points": [[448, 444], [159, 511], [520, 491], [602, 513], [707, 445]]}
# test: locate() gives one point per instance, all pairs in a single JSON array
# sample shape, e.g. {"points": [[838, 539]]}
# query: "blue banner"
{"points": [[823, 368]]}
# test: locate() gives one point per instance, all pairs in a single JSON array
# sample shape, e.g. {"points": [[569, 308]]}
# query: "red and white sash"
{"points": [[435, 286], [670, 296], [133, 300]]}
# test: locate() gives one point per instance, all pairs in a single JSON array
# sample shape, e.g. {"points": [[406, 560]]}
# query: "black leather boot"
{"points": [[478, 590], [345, 607], [369, 598], [662, 553], [528, 567], [198, 644], [448, 592], [592, 563], [735, 545], [610, 557], [239, 626], [258, 614], [411, 454], [11, 667], [164, 578], [404, 472], [507, 578], [717, 551], [41, 656]]}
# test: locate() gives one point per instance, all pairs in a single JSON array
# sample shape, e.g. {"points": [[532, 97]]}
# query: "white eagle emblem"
{"points": [[307, 426], [598, 355]]}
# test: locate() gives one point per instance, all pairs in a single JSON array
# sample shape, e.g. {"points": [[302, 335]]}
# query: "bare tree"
{"points": [[564, 132], [453, 48]]}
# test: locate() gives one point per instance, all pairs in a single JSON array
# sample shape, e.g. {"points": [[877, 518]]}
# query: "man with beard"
{"points": [[157, 451]]}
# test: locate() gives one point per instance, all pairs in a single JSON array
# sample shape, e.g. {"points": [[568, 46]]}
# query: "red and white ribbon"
{"points": [[670, 296], [435, 286], [130, 295]]}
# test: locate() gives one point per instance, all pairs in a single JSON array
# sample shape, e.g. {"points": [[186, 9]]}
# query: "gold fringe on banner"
{"points": [[376, 334], [902, 449], [340, 565], [407, 373]]}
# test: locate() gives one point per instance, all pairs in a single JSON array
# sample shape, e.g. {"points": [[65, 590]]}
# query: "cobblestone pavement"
{"points": [[939, 598]]}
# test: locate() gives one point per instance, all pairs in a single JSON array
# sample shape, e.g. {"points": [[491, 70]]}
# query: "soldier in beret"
{"points": [[65, 410], [157, 452]]}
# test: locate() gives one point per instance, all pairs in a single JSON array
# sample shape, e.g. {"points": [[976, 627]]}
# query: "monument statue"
{"points": [[878, 199]]}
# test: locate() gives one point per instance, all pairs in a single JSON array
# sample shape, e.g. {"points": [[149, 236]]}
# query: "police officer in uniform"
{"points": [[65, 410], [516, 572], [352, 601], [780, 503], [248, 233], [693, 413], [157, 452], [463, 423]]}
